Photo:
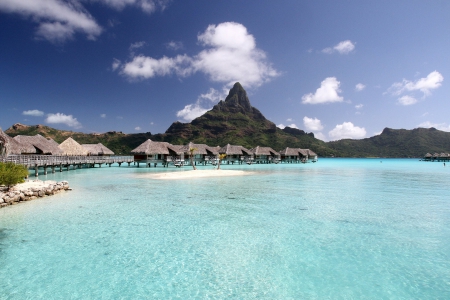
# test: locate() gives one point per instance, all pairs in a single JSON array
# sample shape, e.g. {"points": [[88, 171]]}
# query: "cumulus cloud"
{"points": [[116, 63], [230, 55], [328, 92], [312, 124], [135, 46], [60, 118], [359, 87], [137, 128], [282, 126], [203, 104], [57, 21], [347, 130], [191, 111], [407, 100], [33, 112], [425, 85], [359, 106], [440, 126], [320, 136], [343, 47]]}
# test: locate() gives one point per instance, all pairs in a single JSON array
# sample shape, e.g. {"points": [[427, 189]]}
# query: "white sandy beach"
{"points": [[196, 174], [33, 184]]}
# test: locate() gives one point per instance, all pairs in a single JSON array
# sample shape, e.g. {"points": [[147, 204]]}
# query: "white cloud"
{"points": [[173, 45], [116, 63], [320, 136], [343, 47], [60, 118], [202, 105], [137, 128], [191, 111], [34, 113], [425, 85], [148, 6], [57, 20], [359, 106], [231, 55], [328, 92], [312, 124], [136, 45], [359, 87], [440, 126], [282, 126], [103, 116], [289, 120], [347, 130], [407, 100]]}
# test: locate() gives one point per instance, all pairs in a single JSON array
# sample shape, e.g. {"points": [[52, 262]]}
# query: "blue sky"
{"points": [[340, 69]]}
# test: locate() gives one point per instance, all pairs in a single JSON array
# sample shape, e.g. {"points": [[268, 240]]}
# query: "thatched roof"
{"points": [[234, 150], [71, 147], [428, 155], [8, 145], [97, 149], [264, 151], [200, 149], [311, 153], [150, 147], [37, 144], [297, 152]]}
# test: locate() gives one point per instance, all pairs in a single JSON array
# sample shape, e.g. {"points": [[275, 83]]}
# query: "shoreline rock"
{"points": [[31, 190]]}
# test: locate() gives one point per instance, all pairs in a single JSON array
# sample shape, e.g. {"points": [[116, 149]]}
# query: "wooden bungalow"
{"points": [[203, 154], [97, 150], [150, 152], [38, 145], [71, 147], [428, 157], [265, 155], [8, 145], [235, 153]]}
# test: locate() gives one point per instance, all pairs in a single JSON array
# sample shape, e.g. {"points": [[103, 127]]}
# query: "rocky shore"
{"points": [[31, 190]]}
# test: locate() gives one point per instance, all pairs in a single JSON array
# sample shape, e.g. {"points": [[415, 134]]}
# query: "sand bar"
{"points": [[196, 174]]}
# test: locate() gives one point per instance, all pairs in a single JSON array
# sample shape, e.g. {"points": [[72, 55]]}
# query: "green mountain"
{"points": [[235, 121], [395, 143]]}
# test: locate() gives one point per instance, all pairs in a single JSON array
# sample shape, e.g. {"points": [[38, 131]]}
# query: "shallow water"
{"points": [[336, 229]]}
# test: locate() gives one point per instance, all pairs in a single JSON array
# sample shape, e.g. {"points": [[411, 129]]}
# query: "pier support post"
{"points": [[45, 170], [129, 163], [53, 169], [120, 164], [36, 173], [60, 167]]}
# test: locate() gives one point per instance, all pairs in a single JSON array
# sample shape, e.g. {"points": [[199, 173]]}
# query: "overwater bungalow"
{"points": [[428, 157], [265, 155], [71, 147], [235, 153], [150, 152], [8, 145], [203, 154], [97, 150], [38, 145]]}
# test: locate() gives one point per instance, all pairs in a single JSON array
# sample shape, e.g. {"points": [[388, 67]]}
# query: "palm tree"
{"points": [[191, 151], [221, 156]]}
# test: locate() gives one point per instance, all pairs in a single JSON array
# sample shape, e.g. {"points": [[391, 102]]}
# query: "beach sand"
{"points": [[32, 184], [197, 174]]}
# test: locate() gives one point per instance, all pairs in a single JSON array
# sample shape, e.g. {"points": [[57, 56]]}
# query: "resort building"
{"points": [[8, 145], [265, 155], [235, 153], [202, 154], [71, 147], [295, 155], [97, 150], [37, 145], [151, 152]]}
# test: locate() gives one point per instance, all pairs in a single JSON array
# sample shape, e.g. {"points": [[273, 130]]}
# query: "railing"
{"points": [[55, 160]]}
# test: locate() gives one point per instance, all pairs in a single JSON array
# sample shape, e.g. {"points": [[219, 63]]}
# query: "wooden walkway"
{"points": [[58, 161]]}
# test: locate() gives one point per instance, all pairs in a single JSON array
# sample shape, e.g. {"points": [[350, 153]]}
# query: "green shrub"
{"points": [[12, 174]]}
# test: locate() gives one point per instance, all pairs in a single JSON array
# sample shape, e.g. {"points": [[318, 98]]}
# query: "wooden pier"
{"points": [[57, 161]]}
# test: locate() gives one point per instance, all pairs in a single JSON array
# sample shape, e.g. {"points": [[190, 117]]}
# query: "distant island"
{"points": [[235, 121]]}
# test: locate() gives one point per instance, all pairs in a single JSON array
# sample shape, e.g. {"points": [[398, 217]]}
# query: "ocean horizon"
{"points": [[341, 228]]}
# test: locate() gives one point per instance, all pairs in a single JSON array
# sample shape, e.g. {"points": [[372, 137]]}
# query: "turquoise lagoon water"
{"points": [[337, 229]]}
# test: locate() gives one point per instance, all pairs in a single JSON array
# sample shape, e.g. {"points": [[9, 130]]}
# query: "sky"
{"points": [[339, 69]]}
